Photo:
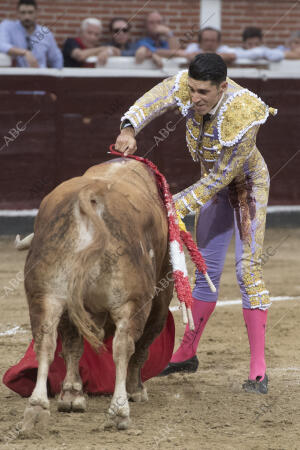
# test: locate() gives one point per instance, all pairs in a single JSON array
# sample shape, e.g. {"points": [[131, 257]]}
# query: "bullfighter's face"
{"points": [[204, 94]]}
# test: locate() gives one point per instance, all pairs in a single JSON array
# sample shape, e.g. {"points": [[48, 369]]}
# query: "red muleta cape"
{"points": [[97, 370]]}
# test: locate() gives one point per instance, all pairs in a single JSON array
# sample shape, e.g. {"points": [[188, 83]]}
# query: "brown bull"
{"points": [[99, 249]]}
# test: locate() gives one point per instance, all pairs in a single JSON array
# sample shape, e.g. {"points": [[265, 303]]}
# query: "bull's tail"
{"points": [[84, 272], [23, 244]]}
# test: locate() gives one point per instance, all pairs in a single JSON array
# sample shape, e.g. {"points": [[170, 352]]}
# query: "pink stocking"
{"points": [[255, 320], [201, 312]]}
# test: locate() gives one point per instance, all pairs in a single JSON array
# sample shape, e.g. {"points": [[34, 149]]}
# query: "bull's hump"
{"points": [[114, 167], [108, 168], [118, 170]]}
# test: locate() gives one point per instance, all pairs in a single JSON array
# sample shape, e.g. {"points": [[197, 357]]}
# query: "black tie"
{"points": [[206, 117]]}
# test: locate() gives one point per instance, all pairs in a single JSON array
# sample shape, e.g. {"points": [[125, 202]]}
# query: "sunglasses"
{"points": [[118, 30]]}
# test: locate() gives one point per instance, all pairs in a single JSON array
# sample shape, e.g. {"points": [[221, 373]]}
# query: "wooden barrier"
{"points": [[54, 125]]}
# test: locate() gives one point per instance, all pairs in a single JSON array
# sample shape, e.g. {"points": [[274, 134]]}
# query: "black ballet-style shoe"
{"points": [[257, 386], [188, 366]]}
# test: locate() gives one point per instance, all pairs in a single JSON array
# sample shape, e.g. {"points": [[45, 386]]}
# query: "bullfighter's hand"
{"points": [[126, 142]]}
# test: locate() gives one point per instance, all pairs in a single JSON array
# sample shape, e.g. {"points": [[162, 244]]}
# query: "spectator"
{"points": [[120, 38], [252, 37], [294, 41], [76, 51], [30, 45], [254, 49], [209, 41], [159, 41], [292, 50]]}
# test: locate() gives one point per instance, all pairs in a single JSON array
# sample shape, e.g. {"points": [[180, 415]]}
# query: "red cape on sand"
{"points": [[97, 370]]}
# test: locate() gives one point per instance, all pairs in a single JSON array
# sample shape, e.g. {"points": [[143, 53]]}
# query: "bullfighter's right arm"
{"points": [[151, 105]]}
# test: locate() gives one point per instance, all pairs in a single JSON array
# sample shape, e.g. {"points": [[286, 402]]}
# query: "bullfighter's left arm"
{"points": [[225, 169]]}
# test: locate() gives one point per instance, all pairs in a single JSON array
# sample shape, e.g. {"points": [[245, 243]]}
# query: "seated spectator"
{"points": [[252, 37], [159, 40], [254, 49], [77, 50], [292, 50], [294, 41], [209, 41], [120, 38], [30, 44]]}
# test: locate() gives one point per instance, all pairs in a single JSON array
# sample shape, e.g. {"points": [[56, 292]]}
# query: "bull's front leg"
{"points": [[123, 347]]}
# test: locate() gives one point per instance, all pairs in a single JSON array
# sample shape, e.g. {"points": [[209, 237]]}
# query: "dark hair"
{"points": [[251, 32], [208, 66], [27, 2], [209, 29], [115, 19]]}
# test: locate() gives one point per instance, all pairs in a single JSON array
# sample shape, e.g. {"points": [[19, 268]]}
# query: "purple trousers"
{"points": [[214, 229]]}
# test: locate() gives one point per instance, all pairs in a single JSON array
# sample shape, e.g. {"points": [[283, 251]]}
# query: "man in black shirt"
{"points": [[76, 51]]}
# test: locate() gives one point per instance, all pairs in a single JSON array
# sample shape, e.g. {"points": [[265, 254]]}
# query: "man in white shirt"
{"points": [[254, 49], [30, 44], [209, 41], [292, 49]]}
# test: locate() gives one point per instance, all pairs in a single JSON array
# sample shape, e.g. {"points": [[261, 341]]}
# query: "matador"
{"points": [[222, 121]]}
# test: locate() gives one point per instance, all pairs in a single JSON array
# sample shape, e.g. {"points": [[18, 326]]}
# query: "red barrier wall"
{"points": [[69, 132]]}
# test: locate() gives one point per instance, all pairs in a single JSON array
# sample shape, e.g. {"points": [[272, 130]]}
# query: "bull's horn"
{"points": [[23, 244]]}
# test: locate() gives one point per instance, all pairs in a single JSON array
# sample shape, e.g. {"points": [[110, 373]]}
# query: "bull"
{"points": [[99, 249]]}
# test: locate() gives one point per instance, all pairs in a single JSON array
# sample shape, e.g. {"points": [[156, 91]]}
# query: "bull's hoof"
{"points": [[71, 401], [79, 404], [257, 386], [123, 423], [120, 423], [139, 396], [119, 415], [35, 417], [118, 411], [43, 402]]}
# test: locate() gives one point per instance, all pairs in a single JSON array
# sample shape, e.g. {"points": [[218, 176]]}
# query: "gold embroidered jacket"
{"points": [[225, 146]]}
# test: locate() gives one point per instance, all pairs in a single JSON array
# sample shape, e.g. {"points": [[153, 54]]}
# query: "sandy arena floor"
{"points": [[206, 410]]}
